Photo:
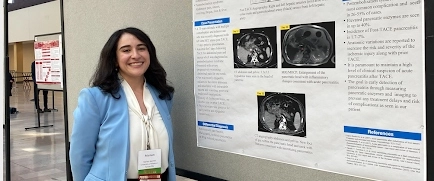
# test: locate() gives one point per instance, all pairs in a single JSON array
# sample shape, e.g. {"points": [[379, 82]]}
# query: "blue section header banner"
{"points": [[212, 22], [383, 133], [216, 125]]}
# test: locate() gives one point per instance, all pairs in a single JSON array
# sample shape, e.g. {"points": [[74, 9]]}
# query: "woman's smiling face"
{"points": [[132, 57]]}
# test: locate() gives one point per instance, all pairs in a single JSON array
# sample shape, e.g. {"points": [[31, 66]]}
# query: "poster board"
{"points": [[48, 61], [330, 85]]}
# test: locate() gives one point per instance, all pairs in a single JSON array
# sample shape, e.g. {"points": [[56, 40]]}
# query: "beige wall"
{"points": [[18, 56], [21, 55], [11, 57], [28, 56], [25, 23]]}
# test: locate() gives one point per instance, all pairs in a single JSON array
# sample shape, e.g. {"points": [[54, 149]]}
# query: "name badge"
{"points": [[149, 165]]}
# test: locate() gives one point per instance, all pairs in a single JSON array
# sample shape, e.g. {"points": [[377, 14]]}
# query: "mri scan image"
{"points": [[307, 45], [282, 113], [255, 49]]}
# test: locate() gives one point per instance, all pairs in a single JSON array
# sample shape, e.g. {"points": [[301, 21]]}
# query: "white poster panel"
{"points": [[48, 65], [330, 85]]}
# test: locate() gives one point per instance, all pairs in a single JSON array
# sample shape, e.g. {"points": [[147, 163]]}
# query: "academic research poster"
{"points": [[326, 84]]}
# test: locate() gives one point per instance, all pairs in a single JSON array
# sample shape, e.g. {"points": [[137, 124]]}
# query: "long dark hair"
{"points": [[106, 74]]}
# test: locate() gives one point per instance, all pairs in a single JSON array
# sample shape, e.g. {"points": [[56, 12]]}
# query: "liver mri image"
{"points": [[282, 113], [307, 45], [254, 50]]}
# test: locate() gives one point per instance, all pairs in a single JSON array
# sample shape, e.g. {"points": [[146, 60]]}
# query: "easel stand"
{"points": [[52, 96], [39, 114], [39, 123]]}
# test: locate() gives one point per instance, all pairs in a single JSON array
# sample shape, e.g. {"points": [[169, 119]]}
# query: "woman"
{"points": [[126, 110]]}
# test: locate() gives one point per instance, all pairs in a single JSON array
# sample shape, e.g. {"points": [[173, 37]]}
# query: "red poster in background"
{"points": [[48, 65]]}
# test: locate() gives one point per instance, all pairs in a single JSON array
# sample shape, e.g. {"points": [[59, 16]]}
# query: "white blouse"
{"points": [[145, 130]]}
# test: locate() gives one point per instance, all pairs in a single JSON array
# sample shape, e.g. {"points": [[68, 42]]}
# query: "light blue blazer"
{"points": [[100, 143]]}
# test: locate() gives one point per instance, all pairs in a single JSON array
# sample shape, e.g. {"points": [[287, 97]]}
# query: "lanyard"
{"points": [[147, 128]]}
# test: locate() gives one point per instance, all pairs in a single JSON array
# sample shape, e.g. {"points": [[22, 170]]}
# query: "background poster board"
{"points": [[48, 61], [330, 85]]}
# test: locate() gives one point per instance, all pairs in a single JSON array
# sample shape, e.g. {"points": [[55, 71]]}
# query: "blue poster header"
{"points": [[216, 125], [212, 22], [383, 133]]}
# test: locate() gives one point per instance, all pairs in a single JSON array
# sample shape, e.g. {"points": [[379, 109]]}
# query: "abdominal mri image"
{"points": [[309, 46], [255, 48], [282, 113]]}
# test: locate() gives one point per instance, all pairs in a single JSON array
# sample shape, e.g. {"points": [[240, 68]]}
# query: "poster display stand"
{"points": [[48, 67], [337, 86]]}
